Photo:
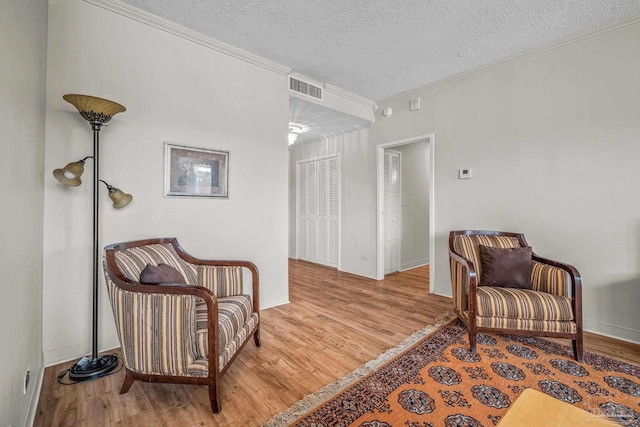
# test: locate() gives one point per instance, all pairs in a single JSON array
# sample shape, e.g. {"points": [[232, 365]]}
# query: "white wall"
{"points": [[175, 91], [23, 43], [414, 222], [553, 141]]}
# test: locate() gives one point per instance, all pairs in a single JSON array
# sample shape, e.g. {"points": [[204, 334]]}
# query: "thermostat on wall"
{"points": [[464, 173]]}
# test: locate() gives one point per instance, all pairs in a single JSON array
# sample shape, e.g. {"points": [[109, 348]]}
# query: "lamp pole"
{"points": [[95, 126], [96, 366]]}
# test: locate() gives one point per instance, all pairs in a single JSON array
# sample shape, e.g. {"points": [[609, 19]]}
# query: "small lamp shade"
{"points": [[94, 109], [120, 198], [70, 174]]}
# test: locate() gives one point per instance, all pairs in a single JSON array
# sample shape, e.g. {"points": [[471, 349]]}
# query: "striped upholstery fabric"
{"points": [[223, 281], [199, 368], [235, 321], [547, 278], [467, 246], [523, 324], [233, 312], [157, 332], [232, 346], [526, 324], [200, 365], [133, 260], [521, 304]]}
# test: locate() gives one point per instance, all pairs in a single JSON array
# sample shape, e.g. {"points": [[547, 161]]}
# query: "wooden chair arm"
{"points": [[466, 284]]}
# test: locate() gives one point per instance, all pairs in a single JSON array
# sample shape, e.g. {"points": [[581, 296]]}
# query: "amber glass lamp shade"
{"points": [[70, 174], [94, 109], [120, 198]]}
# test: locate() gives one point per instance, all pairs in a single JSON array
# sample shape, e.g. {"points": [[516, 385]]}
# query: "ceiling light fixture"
{"points": [[294, 131]]}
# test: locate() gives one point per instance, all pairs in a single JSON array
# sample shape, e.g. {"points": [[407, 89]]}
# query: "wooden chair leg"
{"points": [[128, 382], [577, 348], [256, 337], [472, 341], [473, 336], [214, 398]]}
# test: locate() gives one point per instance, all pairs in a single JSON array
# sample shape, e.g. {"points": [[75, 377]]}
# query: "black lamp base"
{"points": [[88, 368]]}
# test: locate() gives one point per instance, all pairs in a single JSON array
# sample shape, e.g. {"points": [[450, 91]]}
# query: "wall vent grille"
{"points": [[305, 88]]}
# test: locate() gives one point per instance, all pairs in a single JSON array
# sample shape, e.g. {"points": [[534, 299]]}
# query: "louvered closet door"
{"points": [[332, 212], [317, 238], [391, 212], [328, 212], [307, 211], [323, 208], [303, 211], [312, 213]]}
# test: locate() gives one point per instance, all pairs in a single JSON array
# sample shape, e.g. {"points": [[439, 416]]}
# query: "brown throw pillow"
{"points": [[163, 273], [506, 267]]}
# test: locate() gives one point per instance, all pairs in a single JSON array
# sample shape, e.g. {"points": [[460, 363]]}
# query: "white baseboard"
{"points": [[275, 305], [444, 291], [359, 274], [414, 264], [612, 331], [35, 399], [68, 354]]}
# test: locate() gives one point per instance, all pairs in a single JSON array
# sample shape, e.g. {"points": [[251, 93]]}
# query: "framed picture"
{"points": [[195, 172]]}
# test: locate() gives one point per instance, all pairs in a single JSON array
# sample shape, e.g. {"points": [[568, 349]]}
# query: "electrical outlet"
{"points": [[27, 378]]}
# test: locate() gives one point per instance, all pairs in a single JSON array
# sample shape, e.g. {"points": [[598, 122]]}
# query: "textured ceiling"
{"points": [[381, 48]]}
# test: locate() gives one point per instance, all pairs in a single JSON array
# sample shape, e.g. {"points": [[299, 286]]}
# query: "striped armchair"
{"points": [[177, 333], [551, 307]]}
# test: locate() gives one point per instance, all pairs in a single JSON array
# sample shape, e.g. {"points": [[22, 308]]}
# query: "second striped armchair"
{"points": [[188, 332], [544, 301]]}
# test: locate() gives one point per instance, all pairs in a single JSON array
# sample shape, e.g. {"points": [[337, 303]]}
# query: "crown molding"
{"points": [[495, 64], [350, 96], [162, 24]]}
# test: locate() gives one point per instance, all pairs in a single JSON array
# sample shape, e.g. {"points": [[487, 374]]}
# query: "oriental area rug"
{"points": [[432, 379]]}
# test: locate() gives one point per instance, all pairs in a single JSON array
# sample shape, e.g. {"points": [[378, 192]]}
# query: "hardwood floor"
{"points": [[335, 323]]}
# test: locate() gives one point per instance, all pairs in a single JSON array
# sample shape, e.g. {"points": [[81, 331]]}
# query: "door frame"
{"points": [[430, 140]]}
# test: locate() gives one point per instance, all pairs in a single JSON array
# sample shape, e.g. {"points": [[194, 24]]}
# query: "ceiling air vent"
{"points": [[305, 88]]}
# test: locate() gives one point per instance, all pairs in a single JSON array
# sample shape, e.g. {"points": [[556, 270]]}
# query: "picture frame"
{"points": [[195, 172]]}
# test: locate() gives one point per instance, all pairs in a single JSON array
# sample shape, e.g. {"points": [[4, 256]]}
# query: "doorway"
{"points": [[427, 160]]}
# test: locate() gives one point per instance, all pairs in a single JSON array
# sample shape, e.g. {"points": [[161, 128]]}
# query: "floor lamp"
{"points": [[97, 112]]}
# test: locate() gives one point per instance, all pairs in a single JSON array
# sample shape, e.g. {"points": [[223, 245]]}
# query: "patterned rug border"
{"points": [[313, 400]]}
